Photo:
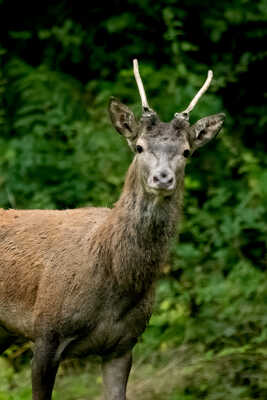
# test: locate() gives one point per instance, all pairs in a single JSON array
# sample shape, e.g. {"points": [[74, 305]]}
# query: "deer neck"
{"points": [[143, 226]]}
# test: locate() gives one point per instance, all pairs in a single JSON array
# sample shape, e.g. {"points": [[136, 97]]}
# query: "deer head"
{"points": [[162, 148]]}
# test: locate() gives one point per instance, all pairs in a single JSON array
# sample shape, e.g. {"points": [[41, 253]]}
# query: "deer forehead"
{"points": [[167, 136]]}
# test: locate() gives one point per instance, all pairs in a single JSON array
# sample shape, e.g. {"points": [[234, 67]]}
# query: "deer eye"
{"points": [[139, 149], [186, 153]]}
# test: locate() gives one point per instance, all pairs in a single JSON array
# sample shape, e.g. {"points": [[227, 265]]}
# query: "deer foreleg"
{"points": [[44, 368], [115, 376]]}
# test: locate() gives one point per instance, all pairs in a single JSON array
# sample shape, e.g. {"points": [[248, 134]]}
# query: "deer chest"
{"points": [[114, 332]]}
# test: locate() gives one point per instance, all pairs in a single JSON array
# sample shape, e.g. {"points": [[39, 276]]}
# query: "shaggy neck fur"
{"points": [[141, 227]]}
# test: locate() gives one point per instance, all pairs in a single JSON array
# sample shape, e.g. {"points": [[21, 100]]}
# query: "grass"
{"points": [[153, 377], [178, 374]]}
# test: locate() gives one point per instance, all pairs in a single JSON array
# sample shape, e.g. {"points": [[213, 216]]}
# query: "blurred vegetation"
{"points": [[59, 64]]}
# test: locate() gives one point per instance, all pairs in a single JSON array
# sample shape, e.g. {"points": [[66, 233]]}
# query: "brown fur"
{"points": [[81, 281], [57, 266]]}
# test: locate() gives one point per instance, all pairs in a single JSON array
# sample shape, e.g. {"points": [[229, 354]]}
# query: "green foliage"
{"points": [[59, 64], [56, 153]]}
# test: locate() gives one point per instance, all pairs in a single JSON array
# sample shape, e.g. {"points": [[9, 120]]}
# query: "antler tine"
{"points": [[140, 85], [198, 95]]}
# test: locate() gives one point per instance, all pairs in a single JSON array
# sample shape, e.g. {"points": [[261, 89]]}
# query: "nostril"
{"points": [[170, 181], [155, 179]]}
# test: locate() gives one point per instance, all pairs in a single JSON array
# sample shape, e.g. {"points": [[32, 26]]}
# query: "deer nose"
{"points": [[163, 180]]}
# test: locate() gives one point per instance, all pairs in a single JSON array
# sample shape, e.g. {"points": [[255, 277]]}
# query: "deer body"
{"points": [[66, 254], [80, 282]]}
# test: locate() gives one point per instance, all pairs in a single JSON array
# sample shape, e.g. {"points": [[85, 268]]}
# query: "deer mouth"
{"points": [[160, 192], [163, 187]]}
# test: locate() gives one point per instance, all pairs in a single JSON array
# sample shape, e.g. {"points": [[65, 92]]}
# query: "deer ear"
{"points": [[123, 119], [206, 129]]}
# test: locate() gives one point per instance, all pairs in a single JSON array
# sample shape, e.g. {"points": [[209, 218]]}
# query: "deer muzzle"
{"points": [[162, 180]]}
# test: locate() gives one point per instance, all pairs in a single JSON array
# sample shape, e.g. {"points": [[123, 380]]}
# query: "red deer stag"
{"points": [[79, 282]]}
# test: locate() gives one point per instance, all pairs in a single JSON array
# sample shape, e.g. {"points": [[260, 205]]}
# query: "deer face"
{"points": [[162, 148], [161, 153]]}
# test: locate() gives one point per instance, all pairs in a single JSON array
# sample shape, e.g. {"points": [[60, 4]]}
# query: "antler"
{"points": [[141, 89], [204, 88], [183, 114]]}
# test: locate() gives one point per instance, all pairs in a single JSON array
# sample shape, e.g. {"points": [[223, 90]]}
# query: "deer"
{"points": [[82, 281]]}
